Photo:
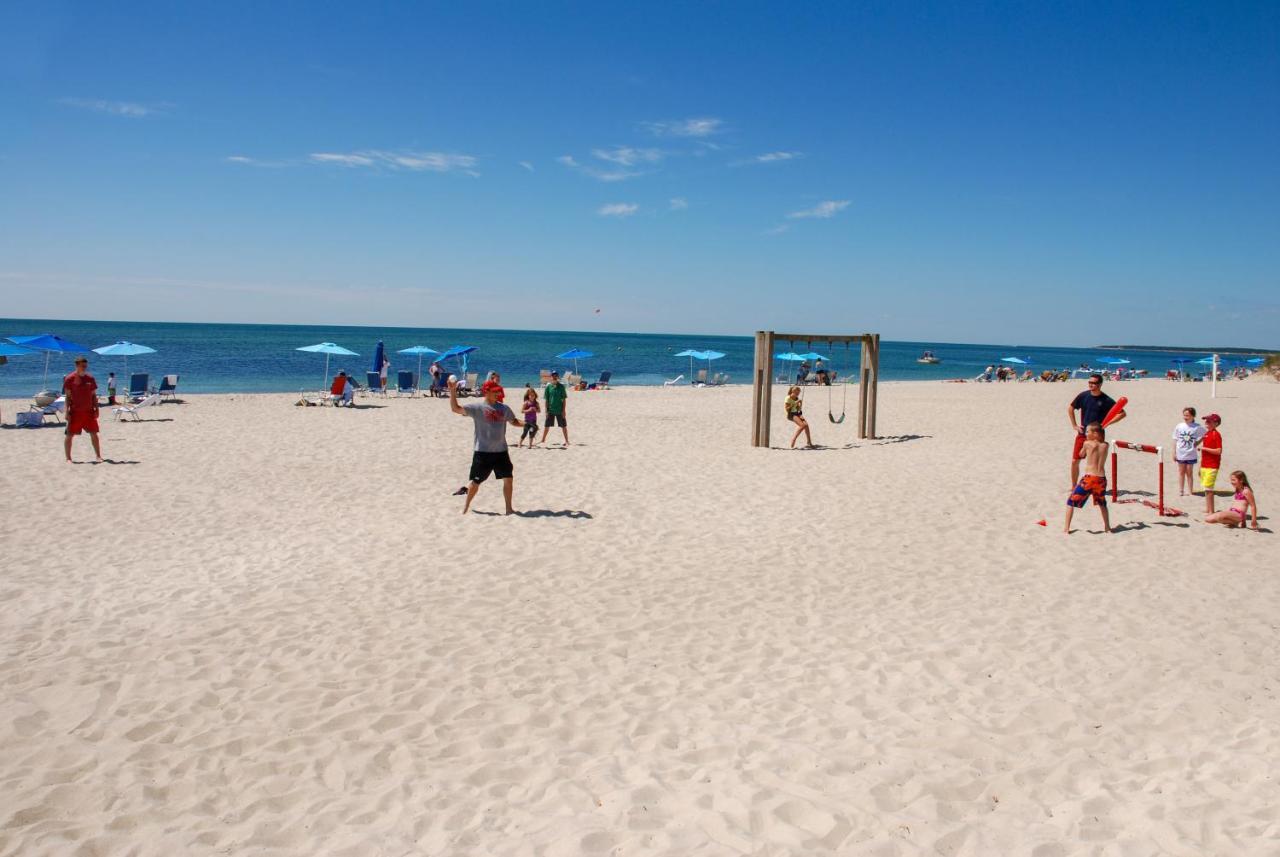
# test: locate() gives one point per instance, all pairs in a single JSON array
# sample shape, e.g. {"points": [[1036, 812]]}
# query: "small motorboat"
{"points": [[928, 357]]}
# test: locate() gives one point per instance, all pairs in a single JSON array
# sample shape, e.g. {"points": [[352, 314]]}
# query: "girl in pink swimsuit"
{"points": [[1243, 504]]}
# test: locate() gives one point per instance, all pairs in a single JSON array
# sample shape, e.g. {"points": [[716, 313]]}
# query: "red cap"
{"points": [[1212, 418], [491, 385]]}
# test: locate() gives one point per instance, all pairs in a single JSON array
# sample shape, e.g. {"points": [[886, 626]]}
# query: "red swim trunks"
{"points": [[1089, 486], [79, 421], [1077, 451]]}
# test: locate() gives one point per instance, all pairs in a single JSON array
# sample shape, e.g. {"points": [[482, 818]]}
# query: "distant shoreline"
{"points": [[1178, 349]]}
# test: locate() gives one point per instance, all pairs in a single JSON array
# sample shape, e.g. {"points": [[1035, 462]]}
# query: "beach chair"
{"points": [[405, 383], [718, 381], [700, 378], [169, 387], [471, 384], [139, 386], [676, 380], [132, 410], [603, 382], [373, 384], [36, 413]]}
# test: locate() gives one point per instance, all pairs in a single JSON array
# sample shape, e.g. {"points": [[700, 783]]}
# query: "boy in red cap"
{"points": [[81, 392], [1210, 459]]}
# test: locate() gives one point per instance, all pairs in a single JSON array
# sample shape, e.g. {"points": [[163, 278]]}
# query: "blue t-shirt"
{"points": [[1092, 408]]}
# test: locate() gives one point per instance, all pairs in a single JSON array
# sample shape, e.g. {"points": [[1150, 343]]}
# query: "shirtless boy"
{"points": [[1094, 482]]}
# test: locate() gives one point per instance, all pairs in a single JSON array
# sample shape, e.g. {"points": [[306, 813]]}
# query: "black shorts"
{"points": [[793, 416], [556, 419], [484, 463]]}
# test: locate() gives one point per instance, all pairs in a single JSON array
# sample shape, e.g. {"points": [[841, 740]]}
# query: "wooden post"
{"points": [[875, 384], [762, 388]]}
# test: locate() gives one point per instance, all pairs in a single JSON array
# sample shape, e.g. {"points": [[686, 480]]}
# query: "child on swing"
{"points": [[795, 413]]}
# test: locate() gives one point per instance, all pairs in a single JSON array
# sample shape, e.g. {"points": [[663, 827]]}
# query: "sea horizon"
{"points": [[247, 357]]}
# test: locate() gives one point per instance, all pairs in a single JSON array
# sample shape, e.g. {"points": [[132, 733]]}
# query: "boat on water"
{"points": [[928, 357]]}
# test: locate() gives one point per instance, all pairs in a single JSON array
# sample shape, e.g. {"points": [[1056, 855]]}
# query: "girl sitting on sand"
{"points": [[530, 407], [796, 415], [1241, 504]]}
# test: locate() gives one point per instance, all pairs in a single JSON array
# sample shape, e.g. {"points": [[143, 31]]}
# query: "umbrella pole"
{"points": [[45, 383], [324, 384]]}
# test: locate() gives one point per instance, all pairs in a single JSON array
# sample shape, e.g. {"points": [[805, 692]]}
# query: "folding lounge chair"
{"points": [[36, 413], [373, 384], [139, 386], [603, 383], [471, 383], [169, 387], [132, 410], [676, 380], [405, 383]]}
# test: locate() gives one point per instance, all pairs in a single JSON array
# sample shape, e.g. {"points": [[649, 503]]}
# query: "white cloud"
{"points": [[770, 158], [247, 161], [567, 160], [823, 210], [436, 162], [528, 166], [618, 209], [679, 203], [779, 229], [612, 156], [701, 126], [129, 109], [626, 156]]}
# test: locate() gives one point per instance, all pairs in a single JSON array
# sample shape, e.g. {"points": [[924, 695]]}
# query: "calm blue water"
{"points": [[217, 358]]}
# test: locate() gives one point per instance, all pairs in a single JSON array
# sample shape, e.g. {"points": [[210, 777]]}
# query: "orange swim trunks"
{"points": [[1089, 486]]}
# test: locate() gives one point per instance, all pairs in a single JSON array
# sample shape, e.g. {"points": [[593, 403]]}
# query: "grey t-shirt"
{"points": [[491, 425]]}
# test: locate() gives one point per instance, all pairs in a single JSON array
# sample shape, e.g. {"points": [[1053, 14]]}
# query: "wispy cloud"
{"points": [[254, 162], [779, 229], [699, 126], [436, 162], [626, 156], [618, 209], [678, 203], [622, 156], [769, 158], [129, 109], [823, 210], [527, 165]]}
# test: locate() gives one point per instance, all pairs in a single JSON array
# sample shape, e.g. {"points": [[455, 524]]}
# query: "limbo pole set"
{"points": [[762, 378]]}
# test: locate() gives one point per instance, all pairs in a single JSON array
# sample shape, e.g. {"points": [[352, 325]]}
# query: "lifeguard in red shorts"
{"points": [[81, 392]]}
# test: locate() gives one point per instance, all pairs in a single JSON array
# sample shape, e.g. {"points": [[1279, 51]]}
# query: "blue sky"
{"points": [[1045, 173]]}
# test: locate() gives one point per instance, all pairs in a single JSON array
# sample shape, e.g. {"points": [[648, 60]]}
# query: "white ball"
{"points": [[453, 379]]}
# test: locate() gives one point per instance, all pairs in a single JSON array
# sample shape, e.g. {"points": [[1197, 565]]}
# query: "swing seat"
{"points": [[834, 418]]}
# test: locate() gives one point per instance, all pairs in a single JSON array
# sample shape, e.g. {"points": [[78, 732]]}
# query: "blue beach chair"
{"points": [[139, 386], [405, 383]]}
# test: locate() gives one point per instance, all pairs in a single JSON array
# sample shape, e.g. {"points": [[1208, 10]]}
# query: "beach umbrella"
{"points": [[50, 345], [1255, 361], [327, 348], [1114, 361], [379, 354], [125, 350], [575, 354], [1205, 361], [1016, 360], [418, 350], [690, 353], [458, 351], [8, 349]]}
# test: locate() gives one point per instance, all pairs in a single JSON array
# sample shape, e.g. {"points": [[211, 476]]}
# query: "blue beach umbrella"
{"points": [[8, 349], [460, 351], [50, 345], [1114, 361], [125, 350], [379, 354], [575, 354], [418, 350], [1018, 361], [1255, 361], [327, 348]]}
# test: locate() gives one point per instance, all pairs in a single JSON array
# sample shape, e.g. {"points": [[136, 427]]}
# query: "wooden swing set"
{"points": [[762, 381]]}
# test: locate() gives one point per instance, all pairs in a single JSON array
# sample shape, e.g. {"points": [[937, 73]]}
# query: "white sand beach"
{"points": [[267, 630]]}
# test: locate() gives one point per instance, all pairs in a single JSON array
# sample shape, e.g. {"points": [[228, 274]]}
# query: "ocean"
{"points": [[223, 358]]}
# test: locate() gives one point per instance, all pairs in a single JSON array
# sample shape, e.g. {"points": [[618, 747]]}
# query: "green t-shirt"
{"points": [[555, 395]]}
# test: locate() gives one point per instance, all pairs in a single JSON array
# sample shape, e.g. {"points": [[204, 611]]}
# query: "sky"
{"points": [[1048, 173]]}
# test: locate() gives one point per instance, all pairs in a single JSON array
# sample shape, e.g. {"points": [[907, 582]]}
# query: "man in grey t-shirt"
{"points": [[491, 418]]}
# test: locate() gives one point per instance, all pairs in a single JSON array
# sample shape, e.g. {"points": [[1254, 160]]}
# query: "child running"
{"points": [[531, 407], [1210, 459], [1094, 482], [1187, 436], [795, 413], [1241, 504]]}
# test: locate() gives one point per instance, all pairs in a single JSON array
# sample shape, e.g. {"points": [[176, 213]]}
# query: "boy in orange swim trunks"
{"points": [[1094, 482]]}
